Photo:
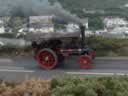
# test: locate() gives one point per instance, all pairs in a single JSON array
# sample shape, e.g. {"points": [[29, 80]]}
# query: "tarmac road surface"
{"points": [[18, 69]]}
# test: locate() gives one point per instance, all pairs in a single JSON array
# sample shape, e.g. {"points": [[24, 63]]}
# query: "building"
{"points": [[114, 22], [41, 24], [123, 30], [72, 27], [2, 29]]}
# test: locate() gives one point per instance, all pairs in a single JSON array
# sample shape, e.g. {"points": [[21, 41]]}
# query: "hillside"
{"points": [[91, 4], [110, 6]]}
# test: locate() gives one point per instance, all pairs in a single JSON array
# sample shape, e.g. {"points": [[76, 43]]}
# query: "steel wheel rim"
{"points": [[47, 59]]}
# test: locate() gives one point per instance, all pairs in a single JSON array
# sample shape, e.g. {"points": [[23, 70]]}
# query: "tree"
{"points": [[95, 23], [15, 23]]}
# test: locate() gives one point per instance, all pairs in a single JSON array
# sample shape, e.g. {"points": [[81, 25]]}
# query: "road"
{"points": [[18, 69]]}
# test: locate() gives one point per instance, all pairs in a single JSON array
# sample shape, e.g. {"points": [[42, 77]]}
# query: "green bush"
{"points": [[14, 50], [95, 23], [93, 86], [68, 86], [108, 46], [8, 35]]}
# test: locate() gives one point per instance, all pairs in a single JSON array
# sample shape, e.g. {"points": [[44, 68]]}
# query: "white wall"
{"points": [[115, 22], [15, 42], [2, 30]]}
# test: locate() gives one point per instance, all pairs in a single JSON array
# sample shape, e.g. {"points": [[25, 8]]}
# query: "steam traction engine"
{"points": [[52, 48]]}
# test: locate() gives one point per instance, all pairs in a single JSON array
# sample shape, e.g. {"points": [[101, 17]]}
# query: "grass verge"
{"points": [[68, 86]]}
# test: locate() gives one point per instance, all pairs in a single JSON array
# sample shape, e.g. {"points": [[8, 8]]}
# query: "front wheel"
{"points": [[47, 59], [85, 62]]}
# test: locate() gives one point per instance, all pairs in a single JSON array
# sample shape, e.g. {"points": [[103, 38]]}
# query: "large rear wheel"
{"points": [[47, 59]]}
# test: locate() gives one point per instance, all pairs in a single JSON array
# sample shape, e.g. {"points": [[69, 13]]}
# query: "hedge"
{"points": [[101, 45], [104, 46], [10, 50], [98, 86], [8, 35], [68, 86]]}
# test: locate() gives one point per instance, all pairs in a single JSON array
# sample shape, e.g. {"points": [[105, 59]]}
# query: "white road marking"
{"points": [[92, 73], [6, 60], [22, 71], [11, 67]]}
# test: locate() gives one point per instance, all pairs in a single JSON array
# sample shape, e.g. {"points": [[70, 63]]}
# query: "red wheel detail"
{"points": [[85, 62], [92, 54], [47, 59]]}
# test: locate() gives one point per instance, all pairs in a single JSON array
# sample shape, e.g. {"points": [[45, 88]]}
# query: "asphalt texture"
{"points": [[18, 69]]}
